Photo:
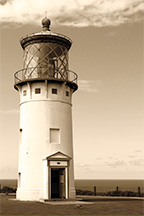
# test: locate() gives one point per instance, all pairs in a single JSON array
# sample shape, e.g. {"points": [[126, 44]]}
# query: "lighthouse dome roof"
{"points": [[46, 36]]}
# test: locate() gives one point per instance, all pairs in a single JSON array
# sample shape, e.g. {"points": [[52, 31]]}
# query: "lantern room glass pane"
{"points": [[48, 60]]}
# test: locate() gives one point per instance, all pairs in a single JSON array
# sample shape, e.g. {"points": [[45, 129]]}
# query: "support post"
{"points": [[94, 190], [117, 191], [139, 193]]}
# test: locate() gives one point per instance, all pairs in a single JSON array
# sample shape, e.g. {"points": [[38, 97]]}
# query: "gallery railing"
{"points": [[41, 73]]}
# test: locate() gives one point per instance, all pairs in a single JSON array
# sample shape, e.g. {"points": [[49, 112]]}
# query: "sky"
{"points": [[107, 54]]}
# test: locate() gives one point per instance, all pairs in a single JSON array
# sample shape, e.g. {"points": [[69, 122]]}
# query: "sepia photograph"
{"points": [[71, 107]]}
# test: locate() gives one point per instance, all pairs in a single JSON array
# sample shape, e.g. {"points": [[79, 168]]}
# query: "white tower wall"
{"points": [[39, 114]]}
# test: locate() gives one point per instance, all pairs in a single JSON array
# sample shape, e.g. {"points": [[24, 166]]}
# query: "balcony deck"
{"points": [[41, 74]]}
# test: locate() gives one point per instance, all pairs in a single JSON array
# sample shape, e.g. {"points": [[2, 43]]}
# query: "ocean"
{"points": [[87, 184]]}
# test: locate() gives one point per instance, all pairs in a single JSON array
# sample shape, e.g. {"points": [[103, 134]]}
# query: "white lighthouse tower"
{"points": [[45, 86]]}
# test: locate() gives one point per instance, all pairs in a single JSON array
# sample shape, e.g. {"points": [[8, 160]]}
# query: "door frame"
{"points": [[64, 183], [56, 160], [66, 170]]}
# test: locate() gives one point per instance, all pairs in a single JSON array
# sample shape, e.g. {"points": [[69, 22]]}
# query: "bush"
{"points": [[81, 192], [7, 190], [109, 193], [122, 193]]}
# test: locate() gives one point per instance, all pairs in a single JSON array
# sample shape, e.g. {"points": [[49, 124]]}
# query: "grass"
{"points": [[114, 207]]}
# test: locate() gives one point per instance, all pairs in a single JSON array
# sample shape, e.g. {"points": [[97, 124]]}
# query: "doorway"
{"points": [[58, 183]]}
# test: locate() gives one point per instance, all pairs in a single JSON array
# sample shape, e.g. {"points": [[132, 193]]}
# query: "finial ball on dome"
{"points": [[46, 23]]}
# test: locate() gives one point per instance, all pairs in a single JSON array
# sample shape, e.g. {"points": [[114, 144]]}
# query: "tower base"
{"points": [[37, 194], [72, 193], [29, 194]]}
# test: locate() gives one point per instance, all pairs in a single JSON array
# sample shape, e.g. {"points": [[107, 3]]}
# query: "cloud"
{"points": [[98, 158], [138, 151], [138, 162], [131, 156], [77, 13], [8, 172], [2, 2], [82, 165], [136, 114], [89, 85], [111, 34], [110, 157], [116, 164]]}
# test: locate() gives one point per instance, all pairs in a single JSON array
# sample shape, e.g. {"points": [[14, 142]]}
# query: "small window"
{"points": [[55, 135], [37, 91], [24, 92], [54, 91], [67, 93]]}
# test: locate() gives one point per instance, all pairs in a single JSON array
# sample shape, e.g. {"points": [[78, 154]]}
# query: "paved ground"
{"points": [[69, 202]]}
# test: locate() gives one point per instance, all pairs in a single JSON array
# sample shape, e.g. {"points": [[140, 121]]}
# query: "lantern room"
{"points": [[46, 57]]}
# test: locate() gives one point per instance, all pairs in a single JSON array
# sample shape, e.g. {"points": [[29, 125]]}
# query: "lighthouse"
{"points": [[45, 86]]}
